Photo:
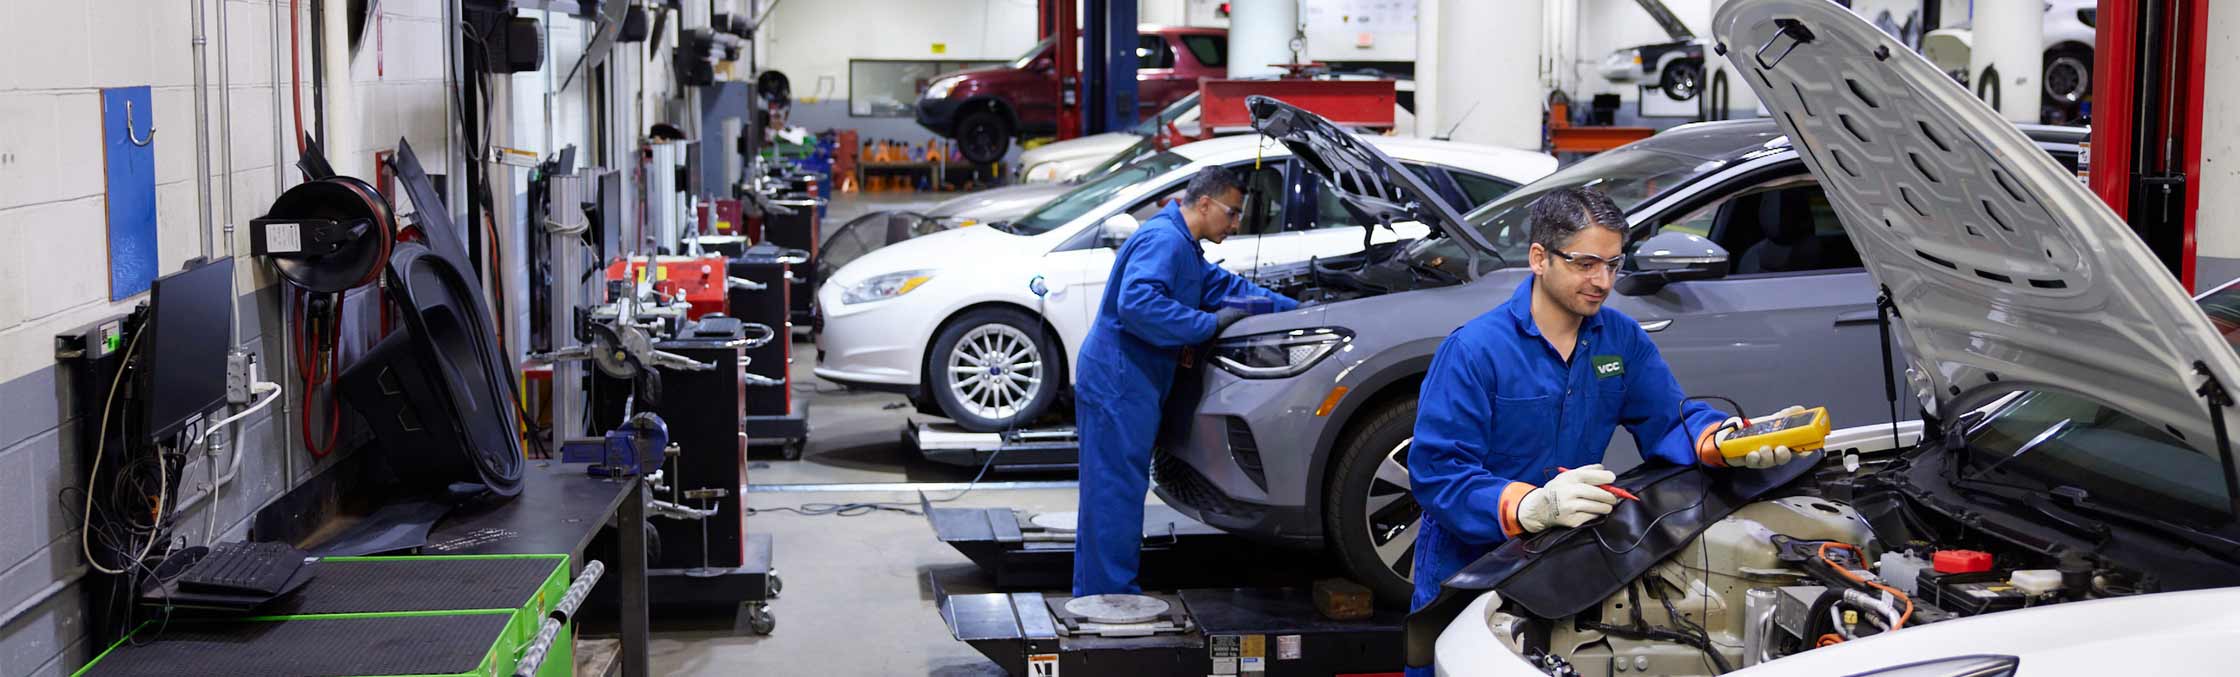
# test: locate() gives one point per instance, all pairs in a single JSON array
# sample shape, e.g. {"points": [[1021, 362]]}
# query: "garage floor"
{"points": [[856, 600]]}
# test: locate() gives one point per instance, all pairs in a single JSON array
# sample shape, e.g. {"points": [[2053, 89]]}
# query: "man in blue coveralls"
{"points": [[1155, 306], [1539, 383]]}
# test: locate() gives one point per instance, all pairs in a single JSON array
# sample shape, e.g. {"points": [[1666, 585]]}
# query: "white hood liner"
{"points": [[2004, 267]]}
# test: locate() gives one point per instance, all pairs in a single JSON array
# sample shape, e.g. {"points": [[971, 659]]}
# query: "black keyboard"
{"points": [[244, 568]]}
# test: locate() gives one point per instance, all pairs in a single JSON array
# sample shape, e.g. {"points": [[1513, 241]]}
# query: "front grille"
{"points": [[1182, 484], [1246, 451]]}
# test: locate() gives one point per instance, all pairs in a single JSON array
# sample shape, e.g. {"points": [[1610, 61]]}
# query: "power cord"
{"points": [[869, 507]]}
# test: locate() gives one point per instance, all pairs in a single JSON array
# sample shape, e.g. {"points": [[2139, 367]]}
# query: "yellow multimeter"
{"points": [[1805, 431]]}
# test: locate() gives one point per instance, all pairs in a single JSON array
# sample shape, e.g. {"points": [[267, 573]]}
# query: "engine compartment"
{"points": [[1793, 573], [1380, 269]]}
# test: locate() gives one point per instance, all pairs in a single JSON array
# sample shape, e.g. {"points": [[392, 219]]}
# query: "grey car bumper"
{"points": [[1248, 465]]}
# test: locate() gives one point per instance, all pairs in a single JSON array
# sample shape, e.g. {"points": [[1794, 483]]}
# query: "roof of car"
{"points": [[1506, 163]]}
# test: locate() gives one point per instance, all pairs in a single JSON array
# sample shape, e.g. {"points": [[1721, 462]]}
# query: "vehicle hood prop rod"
{"points": [[1884, 309], [2219, 399]]}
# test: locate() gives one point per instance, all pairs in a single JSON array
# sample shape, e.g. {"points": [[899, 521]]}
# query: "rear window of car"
{"points": [[1211, 51]]}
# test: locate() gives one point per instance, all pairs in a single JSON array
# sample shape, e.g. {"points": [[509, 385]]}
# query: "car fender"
{"points": [[1386, 376]]}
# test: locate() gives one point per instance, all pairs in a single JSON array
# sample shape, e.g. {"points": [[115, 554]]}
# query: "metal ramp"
{"points": [[1045, 448]]}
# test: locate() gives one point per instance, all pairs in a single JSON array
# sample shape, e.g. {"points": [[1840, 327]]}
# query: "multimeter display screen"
{"points": [[1777, 425]]}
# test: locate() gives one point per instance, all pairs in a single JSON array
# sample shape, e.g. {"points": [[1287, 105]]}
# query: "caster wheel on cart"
{"points": [[792, 451], [758, 618], [774, 586]]}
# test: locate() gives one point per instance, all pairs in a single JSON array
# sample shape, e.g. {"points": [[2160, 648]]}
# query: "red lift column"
{"points": [[2146, 121], [1058, 18]]}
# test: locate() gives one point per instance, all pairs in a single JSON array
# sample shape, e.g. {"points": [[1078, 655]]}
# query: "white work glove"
{"points": [[1762, 457], [1569, 500]]}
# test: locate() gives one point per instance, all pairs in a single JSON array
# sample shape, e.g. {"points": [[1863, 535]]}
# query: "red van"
{"points": [[984, 108]]}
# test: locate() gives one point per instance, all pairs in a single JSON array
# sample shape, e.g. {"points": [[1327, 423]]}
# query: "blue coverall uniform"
{"points": [[1153, 307], [1501, 410]]}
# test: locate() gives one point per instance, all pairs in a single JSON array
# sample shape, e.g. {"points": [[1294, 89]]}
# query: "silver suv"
{"points": [[1738, 268]]}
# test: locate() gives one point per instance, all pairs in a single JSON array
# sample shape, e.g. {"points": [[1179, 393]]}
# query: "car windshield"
{"points": [[1141, 149], [1032, 52], [1093, 192], [1171, 113], [2061, 439], [1629, 176]]}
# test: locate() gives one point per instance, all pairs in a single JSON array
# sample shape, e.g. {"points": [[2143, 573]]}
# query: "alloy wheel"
{"points": [[1394, 517], [995, 370], [2068, 79]]}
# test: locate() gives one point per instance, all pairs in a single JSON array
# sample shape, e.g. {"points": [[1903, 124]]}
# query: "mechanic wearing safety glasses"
{"points": [[1538, 384], [1156, 306]]}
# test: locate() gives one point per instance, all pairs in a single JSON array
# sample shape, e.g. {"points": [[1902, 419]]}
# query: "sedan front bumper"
{"points": [[872, 345]]}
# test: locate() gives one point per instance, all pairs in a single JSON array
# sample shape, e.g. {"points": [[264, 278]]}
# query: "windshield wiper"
{"points": [[2076, 498], [2098, 531], [999, 226]]}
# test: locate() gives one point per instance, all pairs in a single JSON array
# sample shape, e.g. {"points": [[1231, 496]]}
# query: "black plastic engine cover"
{"points": [[1562, 572]]}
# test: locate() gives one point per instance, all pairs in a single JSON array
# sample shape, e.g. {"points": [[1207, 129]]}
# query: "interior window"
{"points": [[1786, 226], [1212, 51], [1152, 52], [1263, 209]]}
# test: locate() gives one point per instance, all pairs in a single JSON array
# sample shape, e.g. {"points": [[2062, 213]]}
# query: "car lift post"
{"points": [[2146, 110], [1058, 20]]}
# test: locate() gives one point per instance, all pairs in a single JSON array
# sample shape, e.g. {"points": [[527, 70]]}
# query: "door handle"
{"points": [[1654, 326], [1858, 317]]}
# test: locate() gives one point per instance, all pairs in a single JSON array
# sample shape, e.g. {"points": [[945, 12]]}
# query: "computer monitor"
{"points": [[183, 352]]}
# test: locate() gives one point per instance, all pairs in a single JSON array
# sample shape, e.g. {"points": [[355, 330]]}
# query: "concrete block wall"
{"points": [[53, 251]]}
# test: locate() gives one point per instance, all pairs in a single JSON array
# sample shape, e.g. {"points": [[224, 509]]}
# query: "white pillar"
{"points": [[2010, 36], [1742, 101], [1260, 34], [2216, 236], [1478, 64]]}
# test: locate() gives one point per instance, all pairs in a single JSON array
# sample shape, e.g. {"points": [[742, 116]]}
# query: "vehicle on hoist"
{"points": [[952, 319], [1303, 432], [2070, 509]]}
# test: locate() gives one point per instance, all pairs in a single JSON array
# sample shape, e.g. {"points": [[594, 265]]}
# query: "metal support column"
{"points": [[637, 621], [1110, 64]]}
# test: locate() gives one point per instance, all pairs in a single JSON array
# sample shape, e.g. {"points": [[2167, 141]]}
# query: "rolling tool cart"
{"points": [[761, 292], [705, 555], [467, 615]]}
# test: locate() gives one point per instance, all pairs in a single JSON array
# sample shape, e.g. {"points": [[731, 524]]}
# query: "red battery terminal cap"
{"points": [[1962, 561]]}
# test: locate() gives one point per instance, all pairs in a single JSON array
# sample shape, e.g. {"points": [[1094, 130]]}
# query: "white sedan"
{"points": [[953, 319]]}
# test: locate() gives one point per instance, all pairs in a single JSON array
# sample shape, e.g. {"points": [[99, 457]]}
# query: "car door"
{"points": [[1793, 322], [1084, 265]]}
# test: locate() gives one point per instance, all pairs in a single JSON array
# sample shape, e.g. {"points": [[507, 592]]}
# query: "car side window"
{"points": [[1784, 226], [1211, 51], [1479, 189], [1331, 212], [1263, 209], [1152, 51]]}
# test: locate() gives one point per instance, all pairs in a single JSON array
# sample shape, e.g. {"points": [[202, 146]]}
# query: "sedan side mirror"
{"points": [[1116, 229], [1043, 64], [1673, 256]]}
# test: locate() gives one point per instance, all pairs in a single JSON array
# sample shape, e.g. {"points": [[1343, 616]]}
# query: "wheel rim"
{"points": [[1391, 515], [994, 371], [2067, 78], [1684, 83], [981, 140]]}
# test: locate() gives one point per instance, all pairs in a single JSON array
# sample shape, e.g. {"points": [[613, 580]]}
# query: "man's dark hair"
{"points": [[1210, 182], [1562, 213]]}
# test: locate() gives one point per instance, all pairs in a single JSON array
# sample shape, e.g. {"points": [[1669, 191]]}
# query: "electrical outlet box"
{"points": [[238, 377]]}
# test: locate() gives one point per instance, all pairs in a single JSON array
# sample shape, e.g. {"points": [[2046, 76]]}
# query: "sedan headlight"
{"points": [[940, 88], [885, 287], [1279, 354]]}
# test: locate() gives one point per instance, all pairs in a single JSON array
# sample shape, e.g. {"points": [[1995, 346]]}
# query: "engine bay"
{"points": [[1382, 268], [1798, 571]]}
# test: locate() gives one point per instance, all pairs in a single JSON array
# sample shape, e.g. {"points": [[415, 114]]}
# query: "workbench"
{"points": [[559, 510]]}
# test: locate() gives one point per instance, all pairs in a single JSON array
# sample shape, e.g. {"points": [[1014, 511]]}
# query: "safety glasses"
{"points": [[1590, 264]]}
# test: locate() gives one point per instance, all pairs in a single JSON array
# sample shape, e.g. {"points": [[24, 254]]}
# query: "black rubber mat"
{"points": [[422, 645], [368, 586]]}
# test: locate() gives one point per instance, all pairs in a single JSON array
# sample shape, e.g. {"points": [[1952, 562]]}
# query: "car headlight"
{"points": [[940, 88], [885, 287], [1279, 354]]}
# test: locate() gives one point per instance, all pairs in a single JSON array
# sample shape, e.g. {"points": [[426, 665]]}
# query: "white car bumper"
{"points": [[880, 343], [1468, 646]]}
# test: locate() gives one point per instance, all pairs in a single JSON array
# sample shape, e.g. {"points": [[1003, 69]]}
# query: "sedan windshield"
{"points": [[1096, 191], [1171, 113], [2062, 439], [1628, 175]]}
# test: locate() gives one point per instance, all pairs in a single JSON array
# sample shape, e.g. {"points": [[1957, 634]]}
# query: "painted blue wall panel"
{"points": [[127, 113]]}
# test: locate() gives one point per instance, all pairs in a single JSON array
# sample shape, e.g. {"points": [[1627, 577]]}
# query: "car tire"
{"points": [[983, 135], [1682, 80], [2067, 78], [994, 368], [1370, 517]]}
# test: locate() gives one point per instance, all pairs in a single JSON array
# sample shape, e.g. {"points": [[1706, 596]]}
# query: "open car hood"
{"points": [[2005, 270], [1362, 176]]}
